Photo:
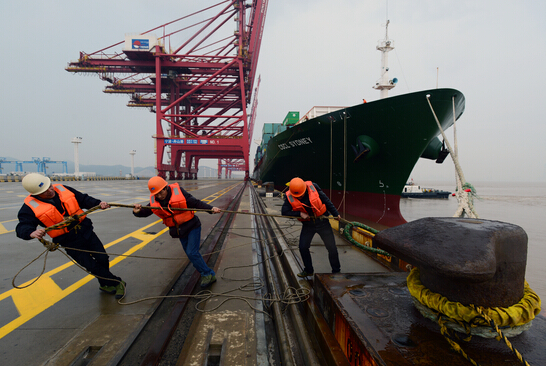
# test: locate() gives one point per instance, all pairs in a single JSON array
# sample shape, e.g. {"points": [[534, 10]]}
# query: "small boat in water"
{"points": [[412, 190]]}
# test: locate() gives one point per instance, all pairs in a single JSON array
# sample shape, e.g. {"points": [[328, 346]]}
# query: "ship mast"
{"points": [[385, 84]]}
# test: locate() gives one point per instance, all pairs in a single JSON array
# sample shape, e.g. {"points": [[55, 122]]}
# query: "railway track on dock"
{"points": [[285, 338], [161, 338]]}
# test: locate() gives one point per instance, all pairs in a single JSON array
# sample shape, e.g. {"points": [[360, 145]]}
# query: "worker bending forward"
{"points": [[48, 205], [308, 202], [182, 224]]}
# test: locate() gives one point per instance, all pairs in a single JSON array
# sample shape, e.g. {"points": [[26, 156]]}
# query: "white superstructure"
{"points": [[384, 84]]}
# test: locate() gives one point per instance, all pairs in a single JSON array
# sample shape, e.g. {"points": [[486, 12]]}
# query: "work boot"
{"points": [[304, 274], [207, 280], [108, 289], [120, 290]]}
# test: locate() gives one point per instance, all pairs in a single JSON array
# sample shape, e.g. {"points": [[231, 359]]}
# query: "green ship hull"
{"points": [[362, 156]]}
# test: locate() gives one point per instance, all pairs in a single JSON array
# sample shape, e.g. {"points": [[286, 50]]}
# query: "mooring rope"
{"points": [[465, 191], [203, 210], [291, 295], [51, 246], [473, 320], [347, 232]]}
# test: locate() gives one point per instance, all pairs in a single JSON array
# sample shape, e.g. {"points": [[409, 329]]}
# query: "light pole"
{"points": [[76, 141], [133, 152]]}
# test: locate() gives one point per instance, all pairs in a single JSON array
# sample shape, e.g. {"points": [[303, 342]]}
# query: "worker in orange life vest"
{"points": [[184, 225], [308, 202], [47, 205]]}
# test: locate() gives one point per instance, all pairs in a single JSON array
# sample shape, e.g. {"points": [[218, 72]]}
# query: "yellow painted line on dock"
{"points": [[43, 294], [33, 300], [3, 229], [218, 194]]}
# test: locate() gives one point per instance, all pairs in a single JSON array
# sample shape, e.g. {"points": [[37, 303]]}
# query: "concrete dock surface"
{"points": [[63, 317]]}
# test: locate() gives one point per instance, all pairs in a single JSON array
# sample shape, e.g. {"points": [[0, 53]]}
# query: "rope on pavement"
{"points": [[291, 296]]}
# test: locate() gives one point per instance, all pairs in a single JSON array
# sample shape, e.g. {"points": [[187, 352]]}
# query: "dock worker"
{"points": [[309, 203], [183, 224], [49, 204]]}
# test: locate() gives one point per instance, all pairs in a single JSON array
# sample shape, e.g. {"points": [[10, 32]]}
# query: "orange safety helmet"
{"points": [[297, 187], [156, 184]]}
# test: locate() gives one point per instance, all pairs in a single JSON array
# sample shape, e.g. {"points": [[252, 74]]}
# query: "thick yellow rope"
{"points": [[469, 317], [518, 314]]}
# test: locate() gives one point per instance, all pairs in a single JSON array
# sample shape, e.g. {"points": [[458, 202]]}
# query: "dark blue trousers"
{"points": [[96, 263], [308, 231]]}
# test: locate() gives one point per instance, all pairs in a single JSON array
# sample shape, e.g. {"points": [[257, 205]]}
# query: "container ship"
{"points": [[362, 155]]}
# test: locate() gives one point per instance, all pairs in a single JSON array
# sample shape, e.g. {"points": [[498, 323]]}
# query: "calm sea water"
{"points": [[523, 204]]}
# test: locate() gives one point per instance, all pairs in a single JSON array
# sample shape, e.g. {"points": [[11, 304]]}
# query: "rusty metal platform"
{"points": [[374, 320]]}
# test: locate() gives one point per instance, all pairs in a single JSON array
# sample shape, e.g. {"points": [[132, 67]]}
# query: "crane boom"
{"points": [[199, 92]]}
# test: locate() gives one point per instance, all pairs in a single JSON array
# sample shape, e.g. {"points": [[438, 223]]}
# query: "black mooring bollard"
{"points": [[471, 261]]}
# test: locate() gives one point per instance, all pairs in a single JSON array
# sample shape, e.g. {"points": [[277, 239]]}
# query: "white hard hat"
{"points": [[36, 183]]}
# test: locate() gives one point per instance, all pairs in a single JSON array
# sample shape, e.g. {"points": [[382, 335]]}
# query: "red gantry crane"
{"points": [[199, 91]]}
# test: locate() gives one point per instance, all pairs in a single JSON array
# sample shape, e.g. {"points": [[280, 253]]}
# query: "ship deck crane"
{"points": [[198, 91]]}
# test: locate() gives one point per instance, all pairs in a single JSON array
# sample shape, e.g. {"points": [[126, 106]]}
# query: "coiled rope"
{"points": [[290, 296], [475, 320], [348, 235]]}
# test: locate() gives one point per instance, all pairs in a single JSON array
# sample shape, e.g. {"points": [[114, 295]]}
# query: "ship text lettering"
{"points": [[298, 142]]}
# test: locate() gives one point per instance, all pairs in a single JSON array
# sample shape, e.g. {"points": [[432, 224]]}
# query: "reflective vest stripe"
{"points": [[48, 213], [318, 207], [177, 200]]}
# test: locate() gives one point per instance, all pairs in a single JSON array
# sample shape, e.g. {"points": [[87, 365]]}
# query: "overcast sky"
{"points": [[313, 53]]}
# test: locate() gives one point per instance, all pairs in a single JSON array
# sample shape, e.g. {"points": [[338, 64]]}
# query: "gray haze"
{"points": [[313, 53]]}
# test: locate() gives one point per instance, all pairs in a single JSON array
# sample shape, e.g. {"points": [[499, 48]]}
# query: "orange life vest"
{"points": [[48, 213], [318, 207], [173, 218]]}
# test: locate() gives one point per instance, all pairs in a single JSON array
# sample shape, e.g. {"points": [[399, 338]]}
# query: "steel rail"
{"points": [[155, 350], [305, 342], [321, 333], [294, 341], [287, 357]]}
